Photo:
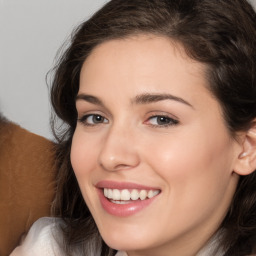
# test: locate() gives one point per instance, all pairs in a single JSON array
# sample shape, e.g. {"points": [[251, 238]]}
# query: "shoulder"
{"points": [[40, 239]]}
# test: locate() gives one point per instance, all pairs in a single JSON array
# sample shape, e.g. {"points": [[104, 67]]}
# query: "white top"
{"points": [[40, 241]]}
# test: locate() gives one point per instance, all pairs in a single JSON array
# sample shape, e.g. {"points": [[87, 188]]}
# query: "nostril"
{"points": [[116, 156], [123, 167], [118, 167]]}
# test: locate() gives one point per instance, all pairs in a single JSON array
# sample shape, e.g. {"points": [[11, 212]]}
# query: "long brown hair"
{"points": [[219, 33]]}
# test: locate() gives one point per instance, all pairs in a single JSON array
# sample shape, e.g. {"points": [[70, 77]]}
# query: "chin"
{"points": [[125, 242]]}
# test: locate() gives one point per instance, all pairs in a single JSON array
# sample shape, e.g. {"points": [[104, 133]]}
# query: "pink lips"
{"points": [[123, 210]]}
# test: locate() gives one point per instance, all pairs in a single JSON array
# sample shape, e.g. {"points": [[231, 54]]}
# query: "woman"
{"points": [[159, 149]]}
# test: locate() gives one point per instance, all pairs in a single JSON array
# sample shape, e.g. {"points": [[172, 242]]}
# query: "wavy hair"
{"points": [[218, 33]]}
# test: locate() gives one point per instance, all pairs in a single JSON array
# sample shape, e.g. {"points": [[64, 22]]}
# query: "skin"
{"points": [[192, 162]]}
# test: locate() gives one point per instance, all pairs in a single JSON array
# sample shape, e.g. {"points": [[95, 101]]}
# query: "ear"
{"points": [[246, 160]]}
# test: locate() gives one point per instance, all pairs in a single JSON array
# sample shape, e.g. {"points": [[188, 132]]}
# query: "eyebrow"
{"points": [[145, 98], [151, 98], [89, 98]]}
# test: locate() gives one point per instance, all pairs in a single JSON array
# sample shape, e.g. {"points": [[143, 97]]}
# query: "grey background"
{"points": [[31, 32]]}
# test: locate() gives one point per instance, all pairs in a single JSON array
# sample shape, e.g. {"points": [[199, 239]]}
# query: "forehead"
{"points": [[142, 61], [143, 53], [141, 44]]}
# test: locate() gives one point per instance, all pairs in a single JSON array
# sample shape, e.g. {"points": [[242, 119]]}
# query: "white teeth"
{"points": [[116, 194], [155, 193], [109, 193], [126, 195], [150, 194], [120, 202], [135, 194], [143, 194]]}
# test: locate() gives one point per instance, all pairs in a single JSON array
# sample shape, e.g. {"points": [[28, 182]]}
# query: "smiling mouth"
{"points": [[126, 196]]}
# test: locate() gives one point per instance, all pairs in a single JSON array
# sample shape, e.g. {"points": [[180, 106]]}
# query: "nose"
{"points": [[118, 150]]}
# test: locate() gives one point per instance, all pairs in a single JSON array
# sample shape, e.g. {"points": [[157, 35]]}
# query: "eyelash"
{"points": [[170, 121], [84, 119]]}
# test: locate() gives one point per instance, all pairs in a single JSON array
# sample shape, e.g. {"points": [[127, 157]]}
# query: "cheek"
{"points": [[192, 150], [83, 161], [197, 179], [82, 157], [193, 166]]}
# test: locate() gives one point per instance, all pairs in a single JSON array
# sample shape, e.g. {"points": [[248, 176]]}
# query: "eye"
{"points": [[93, 119], [161, 120]]}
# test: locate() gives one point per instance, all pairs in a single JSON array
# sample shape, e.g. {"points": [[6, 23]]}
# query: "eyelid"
{"points": [[161, 113], [89, 111], [84, 119], [84, 107], [173, 119]]}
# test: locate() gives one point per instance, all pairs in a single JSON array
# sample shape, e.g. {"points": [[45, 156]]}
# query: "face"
{"points": [[151, 151]]}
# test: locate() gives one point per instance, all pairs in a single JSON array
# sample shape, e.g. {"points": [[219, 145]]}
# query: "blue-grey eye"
{"points": [[162, 120], [97, 119], [93, 119]]}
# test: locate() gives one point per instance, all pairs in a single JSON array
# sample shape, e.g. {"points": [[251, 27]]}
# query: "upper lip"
{"points": [[123, 185]]}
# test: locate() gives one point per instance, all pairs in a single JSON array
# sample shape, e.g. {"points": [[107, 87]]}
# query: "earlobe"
{"points": [[246, 160]]}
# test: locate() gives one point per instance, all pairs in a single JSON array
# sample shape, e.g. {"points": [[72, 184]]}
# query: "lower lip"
{"points": [[124, 210]]}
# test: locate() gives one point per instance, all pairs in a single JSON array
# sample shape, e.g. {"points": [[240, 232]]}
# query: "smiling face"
{"points": [[151, 151]]}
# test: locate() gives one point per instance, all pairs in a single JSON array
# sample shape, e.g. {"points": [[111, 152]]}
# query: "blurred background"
{"points": [[31, 33]]}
